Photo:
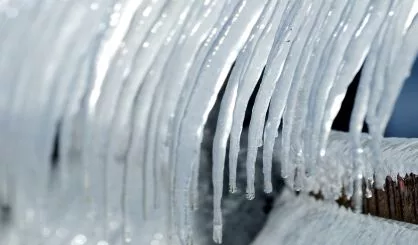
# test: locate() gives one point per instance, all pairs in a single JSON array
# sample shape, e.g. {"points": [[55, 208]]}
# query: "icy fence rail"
{"points": [[306, 221], [131, 83]]}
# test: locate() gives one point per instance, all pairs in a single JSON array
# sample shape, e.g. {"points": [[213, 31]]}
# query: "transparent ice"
{"points": [[129, 85]]}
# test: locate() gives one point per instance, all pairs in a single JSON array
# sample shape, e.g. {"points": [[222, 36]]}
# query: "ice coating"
{"points": [[304, 220], [129, 86]]}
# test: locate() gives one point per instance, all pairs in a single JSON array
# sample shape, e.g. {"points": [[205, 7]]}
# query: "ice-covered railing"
{"points": [[306, 221], [130, 85]]}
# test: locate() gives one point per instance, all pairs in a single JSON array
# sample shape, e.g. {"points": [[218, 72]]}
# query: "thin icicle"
{"points": [[228, 103], [273, 70], [193, 119], [165, 30], [136, 27], [361, 102], [355, 54], [325, 76], [190, 50], [353, 58], [307, 77], [280, 94], [248, 84], [377, 87], [290, 137], [152, 152], [402, 64], [225, 118]]}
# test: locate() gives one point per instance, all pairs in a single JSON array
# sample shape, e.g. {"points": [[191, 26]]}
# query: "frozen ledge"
{"points": [[335, 171], [303, 220]]}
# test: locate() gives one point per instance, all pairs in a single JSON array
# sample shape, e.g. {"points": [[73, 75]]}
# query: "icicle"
{"points": [[401, 62], [274, 68], [324, 70], [357, 49], [358, 114], [247, 85], [227, 106], [194, 9], [353, 58], [191, 49], [134, 28], [280, 94], [192, 121], [224, 123], [307, 76], [164, 30], [325, 76], [288, 135], [379, 77]]}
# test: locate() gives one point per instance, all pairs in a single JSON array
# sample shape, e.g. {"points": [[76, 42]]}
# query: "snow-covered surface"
{"points": [[303, 220]]}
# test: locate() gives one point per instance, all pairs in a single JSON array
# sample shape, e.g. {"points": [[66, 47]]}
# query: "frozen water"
{"points": [[129, 85]]}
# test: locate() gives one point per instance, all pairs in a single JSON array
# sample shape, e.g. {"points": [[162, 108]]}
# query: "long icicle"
{"points": [[281, 91], [330, 59], [290, 113], [191, 132], [248, 84], [224, 122], [273, 70]]}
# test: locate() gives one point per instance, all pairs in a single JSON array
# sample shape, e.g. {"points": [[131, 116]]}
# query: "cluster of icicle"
{"points": [[131, 83]]}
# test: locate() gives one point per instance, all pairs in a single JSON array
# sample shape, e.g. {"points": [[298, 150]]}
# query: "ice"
{"points": [[325, 76], [404, 57], [215, 68], [225, 116], [128, 85], [361, 103], [224, 122], [247, 85], [353, 58], [307, 76], [290, 136], [191, 49], [281, 91], [273, 70], [136, 26], [246, 88], [303, 220]]}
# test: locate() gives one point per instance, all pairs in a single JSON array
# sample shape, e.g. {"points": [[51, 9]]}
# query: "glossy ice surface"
{"points": [[130, 84]]}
